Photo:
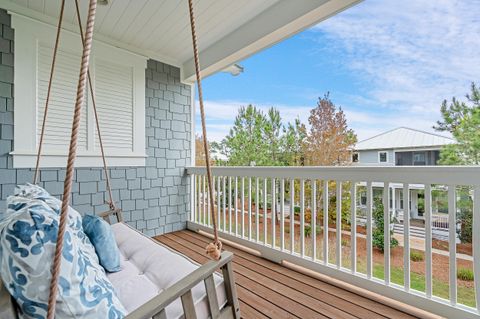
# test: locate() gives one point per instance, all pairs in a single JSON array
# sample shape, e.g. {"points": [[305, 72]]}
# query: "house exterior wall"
{"points": [[154, 199], [370, 157], [398, 158]]}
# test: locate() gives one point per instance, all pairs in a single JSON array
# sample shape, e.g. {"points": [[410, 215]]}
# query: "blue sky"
{"points": [[388, 63]]}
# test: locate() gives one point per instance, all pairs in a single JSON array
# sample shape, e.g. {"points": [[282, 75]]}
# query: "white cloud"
{"points": [[413, 54], [221, 115], [366, 123], [227, 110]]}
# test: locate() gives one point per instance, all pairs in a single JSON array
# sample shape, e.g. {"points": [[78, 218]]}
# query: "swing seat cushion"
{"points": [[149, 268], [28, 237], [100, 234]]}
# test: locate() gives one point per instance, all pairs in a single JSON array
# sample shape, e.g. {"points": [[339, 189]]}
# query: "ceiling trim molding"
{"points": [[280, 21]]}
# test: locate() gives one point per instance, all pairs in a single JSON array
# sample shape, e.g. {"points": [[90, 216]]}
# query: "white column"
{"points": [[394, 202]]}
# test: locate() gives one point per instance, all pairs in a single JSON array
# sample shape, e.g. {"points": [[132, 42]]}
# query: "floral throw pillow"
{"points": [[28, 236]]}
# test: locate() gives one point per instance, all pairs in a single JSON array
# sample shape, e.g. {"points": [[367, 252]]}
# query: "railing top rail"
{"points": [[452, 175]]}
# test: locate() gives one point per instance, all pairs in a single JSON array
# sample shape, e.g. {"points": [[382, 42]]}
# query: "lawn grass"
{"points": [[440, 289]]}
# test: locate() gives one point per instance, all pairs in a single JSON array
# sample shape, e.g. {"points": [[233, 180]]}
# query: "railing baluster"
{"points": [[219, 202], [236, 205], [428, 240], [273, 211], [257, 207], [476, 244], [224, 202], [249, 208], [325, 222], [242, 206], [292, 215], [209, 209], [386, 231], [302, 217], [406, 236], [314, 219], [282, 214], [265, 207], [230, 204], [369, 229], [353, 227], [204, 201], [194, 188], [338, 253], [452, 246]]}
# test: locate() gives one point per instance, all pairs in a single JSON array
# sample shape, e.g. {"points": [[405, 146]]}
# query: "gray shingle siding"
{"points": [[155, 199]]}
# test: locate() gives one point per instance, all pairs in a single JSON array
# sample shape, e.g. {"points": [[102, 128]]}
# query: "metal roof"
{"points": [[403, 137]]}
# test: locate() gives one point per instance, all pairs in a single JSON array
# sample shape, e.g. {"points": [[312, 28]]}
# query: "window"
{"points": [[118, 79], [355, 157], [382, 157], [419, 158]]}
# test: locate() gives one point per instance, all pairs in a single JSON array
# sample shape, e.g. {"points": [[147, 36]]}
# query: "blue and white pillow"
{"points": [[101, 236], [28, 236]]}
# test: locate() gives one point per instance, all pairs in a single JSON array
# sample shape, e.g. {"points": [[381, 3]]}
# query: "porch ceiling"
{"points": [[228, 31]]}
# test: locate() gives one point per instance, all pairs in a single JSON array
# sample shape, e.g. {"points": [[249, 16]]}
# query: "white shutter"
{"points": [[114, 97], [62, 100], [119, 82]]}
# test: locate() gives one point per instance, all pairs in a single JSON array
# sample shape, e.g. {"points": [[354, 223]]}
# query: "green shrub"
{"points": [[345, 242], [296, 210], [308, 230], [416, 256], [377, 233], [465, 274]]}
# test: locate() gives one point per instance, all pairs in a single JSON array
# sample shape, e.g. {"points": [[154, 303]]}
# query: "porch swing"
{"points": [[196, 291]]}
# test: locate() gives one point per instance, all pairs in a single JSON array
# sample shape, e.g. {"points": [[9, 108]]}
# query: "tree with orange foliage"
{"points": [[200, 152], [330, 141]]}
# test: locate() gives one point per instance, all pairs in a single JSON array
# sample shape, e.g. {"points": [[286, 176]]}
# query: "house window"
{"points": [[419, 158], [118, 79], [355, 157], [382, 157]]}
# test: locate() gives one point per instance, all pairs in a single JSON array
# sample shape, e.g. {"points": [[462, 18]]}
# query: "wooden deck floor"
{"points": [[269, 290]]}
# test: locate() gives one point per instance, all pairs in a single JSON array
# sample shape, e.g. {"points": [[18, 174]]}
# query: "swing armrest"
{"points": [[117, 212], [155, 307]]}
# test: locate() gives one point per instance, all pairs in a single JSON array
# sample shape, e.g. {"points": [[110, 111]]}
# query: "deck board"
{"points": [[269, 290]]}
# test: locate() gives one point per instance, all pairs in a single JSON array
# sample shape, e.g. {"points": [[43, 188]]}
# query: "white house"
{"points": [[401, 146]]}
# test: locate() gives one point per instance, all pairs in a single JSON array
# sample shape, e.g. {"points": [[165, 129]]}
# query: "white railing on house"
{"points": [[279, 211]]}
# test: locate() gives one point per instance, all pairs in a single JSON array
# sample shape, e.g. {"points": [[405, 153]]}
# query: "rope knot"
{"points": [[214, 250], [111, 205]]}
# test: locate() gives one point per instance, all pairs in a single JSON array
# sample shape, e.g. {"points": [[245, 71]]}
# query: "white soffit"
{"points": [[228, 30]]}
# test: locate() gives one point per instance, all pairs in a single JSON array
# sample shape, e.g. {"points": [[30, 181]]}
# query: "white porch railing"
{"points": [[279, 211]]}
